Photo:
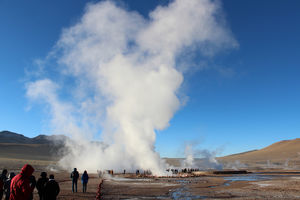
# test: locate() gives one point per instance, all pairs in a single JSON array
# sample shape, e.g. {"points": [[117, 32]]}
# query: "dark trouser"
{"points": [[51, 197], [74, 182], [1, 193], [84, 186], [7, 195], [41, 196]]}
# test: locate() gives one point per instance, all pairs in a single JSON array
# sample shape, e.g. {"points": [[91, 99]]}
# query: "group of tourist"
{"points": [[75, 177], [21, 186]]}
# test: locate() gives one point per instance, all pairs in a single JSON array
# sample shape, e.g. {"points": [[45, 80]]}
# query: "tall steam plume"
{"points": [[116, 75]]}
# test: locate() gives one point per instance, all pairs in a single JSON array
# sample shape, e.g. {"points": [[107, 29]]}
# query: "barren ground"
{"points": [[268, 184], [250, 186]]}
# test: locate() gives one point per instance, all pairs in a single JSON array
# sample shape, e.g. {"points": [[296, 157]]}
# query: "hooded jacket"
{"points": [[20, 188], [84, 178]]}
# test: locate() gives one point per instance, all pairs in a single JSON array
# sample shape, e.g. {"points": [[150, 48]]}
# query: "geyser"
{"points": [[116, 74]]}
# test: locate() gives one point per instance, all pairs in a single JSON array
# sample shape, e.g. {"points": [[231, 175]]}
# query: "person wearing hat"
{"points": [[51, 189], [40, 185]]}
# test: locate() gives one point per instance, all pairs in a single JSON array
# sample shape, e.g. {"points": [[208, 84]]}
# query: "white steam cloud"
{"points": [[117, 72], [202, 159]]}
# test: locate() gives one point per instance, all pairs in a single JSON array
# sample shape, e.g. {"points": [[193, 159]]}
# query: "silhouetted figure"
{"points": [[124, 171], [84, 180], [4, 175], [40, 185], [74, 176], [32, 184], [7, 185], [3, 178], [20, 188], [137, 172], [51, 189]]}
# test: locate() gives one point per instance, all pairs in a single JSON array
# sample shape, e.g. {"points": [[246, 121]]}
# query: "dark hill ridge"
{"points": [[42, 147], [11, 137]]}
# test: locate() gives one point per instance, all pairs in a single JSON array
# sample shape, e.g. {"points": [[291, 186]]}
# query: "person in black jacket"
{"points": [[7, 185], [2, 181], [40, 185], [74, 177], [32, 181], [51, 189]]}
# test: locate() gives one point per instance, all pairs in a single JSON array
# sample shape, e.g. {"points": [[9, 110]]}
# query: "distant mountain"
{"points": [[42, 147], [11, 137], [286, 152]]}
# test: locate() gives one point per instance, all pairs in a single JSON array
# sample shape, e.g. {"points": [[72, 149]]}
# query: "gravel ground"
{"points": [[262, 185]]}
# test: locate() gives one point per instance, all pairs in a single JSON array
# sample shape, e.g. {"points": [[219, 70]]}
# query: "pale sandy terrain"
{"points": [[283, 154]]}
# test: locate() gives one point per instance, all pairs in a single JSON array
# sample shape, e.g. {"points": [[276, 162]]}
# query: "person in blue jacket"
{"points": [[84, 180]]}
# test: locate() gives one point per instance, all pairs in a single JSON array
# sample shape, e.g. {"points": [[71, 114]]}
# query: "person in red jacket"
{"points": [[20, 188]]}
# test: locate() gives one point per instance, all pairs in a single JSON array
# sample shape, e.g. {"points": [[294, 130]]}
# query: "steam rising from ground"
{"points": [[202, 159], [117, 75]]}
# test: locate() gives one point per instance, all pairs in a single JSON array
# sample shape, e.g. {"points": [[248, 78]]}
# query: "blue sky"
{"points": [[247, 99]]}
